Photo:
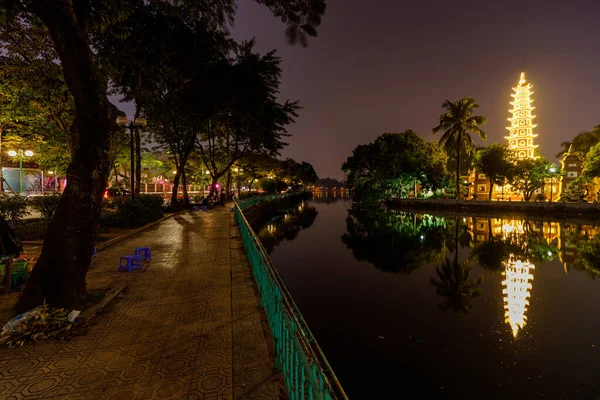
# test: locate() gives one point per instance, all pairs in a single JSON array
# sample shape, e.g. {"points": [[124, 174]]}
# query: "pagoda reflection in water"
{"points": [[517, 286]]}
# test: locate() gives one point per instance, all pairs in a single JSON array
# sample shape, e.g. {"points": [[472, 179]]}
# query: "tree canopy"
{"points": [[530, 175], [393, 164]]}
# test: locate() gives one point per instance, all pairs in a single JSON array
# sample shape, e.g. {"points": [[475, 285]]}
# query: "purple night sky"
{"points": [[387, 65]]}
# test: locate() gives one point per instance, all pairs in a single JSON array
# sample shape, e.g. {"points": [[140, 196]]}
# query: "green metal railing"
{"points": [[305, 369]]}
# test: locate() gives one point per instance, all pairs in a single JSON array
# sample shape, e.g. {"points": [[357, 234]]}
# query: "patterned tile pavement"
{"points": [[188, 326]]}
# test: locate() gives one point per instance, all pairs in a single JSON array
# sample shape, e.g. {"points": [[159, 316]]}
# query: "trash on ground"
{"points": [[41, 323]]}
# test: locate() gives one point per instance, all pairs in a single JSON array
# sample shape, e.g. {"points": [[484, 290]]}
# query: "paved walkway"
{"points": [[188, 326]]}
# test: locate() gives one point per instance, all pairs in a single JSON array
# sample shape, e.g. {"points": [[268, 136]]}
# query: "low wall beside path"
{"points": [[569, 210], [257, 209]]}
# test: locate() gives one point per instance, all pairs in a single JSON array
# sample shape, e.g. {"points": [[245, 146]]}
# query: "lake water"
{"points": [[406, 305]]}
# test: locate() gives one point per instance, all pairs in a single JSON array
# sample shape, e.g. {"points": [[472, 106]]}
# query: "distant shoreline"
{"points": [[578, 212]]}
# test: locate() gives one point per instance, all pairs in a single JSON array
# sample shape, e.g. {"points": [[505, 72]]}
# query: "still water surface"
{"points": [[406, 305]]}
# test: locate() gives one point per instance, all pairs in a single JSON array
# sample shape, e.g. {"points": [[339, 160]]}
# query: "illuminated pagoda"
{"points": [[516, 292], [521, 123]]}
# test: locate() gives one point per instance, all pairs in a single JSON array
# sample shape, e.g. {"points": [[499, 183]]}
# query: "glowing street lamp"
{"points": [[139, 122], [20, 153]]}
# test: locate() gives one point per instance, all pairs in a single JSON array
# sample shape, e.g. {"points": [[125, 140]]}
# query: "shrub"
{"points": [[32, 228], [46, 204], [140, 211], [13, 206]]}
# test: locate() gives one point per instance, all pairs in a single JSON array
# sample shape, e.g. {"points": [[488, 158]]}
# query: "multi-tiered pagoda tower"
{"points": [[521, 123]]}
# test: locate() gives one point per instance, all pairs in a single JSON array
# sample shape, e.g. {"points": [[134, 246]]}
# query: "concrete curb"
{"points": [[88, 314], [133, 232]]}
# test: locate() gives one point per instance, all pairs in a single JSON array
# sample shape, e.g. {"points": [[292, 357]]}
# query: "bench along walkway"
{"points": [[188, 325]]}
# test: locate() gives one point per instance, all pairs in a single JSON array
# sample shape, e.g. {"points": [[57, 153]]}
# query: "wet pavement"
{"points": [[188, 325]]}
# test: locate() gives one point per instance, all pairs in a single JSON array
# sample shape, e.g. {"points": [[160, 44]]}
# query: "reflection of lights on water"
{"points": [[516, 292], [271, 228], [517, 227]]}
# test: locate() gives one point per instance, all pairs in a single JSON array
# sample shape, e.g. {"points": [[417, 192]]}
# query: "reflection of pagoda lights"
{"points": [[514, 226], [516, 292]]}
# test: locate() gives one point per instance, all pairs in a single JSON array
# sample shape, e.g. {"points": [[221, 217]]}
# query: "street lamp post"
{"points": [[20, 153], [139, 122], [552, 171]]}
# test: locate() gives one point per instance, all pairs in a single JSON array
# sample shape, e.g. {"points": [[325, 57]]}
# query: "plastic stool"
{"points": [[143, 253], [131, 262], [94, 253]]}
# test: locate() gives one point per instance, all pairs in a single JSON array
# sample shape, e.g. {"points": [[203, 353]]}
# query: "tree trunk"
{"points": [[174, 201], [186, 198], [458, 141], [59, 275], [491, 189], [228, 190], [138, 160]]}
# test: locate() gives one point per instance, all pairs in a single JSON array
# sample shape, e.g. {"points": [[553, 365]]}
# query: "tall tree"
{"points": [[59, 276], [248, 117], [496, 161], [458, 123]]}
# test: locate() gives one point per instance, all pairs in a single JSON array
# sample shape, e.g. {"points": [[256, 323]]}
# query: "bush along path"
{"points": [[116, 215], [188, 325]]}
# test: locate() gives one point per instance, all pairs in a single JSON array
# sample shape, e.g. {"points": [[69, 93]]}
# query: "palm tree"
{"points": [[458, 122]]}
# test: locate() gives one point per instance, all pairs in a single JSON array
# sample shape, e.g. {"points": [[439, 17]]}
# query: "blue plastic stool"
{"points": [[131, 262], [94, 253], [195, 208], [143, 253]]}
